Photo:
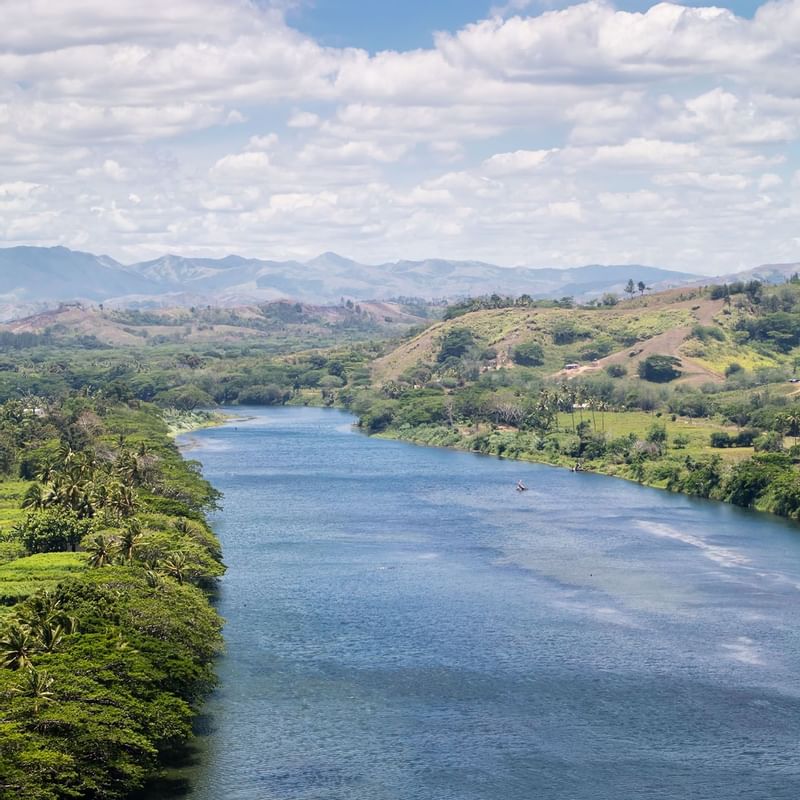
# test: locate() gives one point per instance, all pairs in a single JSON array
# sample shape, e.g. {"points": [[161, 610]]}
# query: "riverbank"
{"points": [[658, 458], [106, 654], [180, 422]]}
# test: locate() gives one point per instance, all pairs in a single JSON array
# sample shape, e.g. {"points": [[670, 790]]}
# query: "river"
{"points": [[403, 625]]}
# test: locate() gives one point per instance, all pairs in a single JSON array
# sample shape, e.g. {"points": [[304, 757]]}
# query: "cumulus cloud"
{"points": [[582, 133]]}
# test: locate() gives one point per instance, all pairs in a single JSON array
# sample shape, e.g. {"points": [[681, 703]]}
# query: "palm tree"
{"points": [[793, 424], [130, 539], [37, 685], [121, 499], [16, 648], [568, 397], [46, 610], [176, 565], [101, 551], [35, 498], [49, 637], [47, 471]]}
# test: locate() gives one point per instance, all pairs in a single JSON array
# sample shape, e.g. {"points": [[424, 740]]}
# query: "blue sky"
{"points": [[521, 133], [408, 24]]}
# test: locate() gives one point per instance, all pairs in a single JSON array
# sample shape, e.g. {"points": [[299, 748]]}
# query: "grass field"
{"points": [[697, 431], [24, 576], [11, 494]]}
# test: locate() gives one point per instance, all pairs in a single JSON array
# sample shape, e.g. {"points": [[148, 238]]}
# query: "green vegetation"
{"points": [[646, 406], [660, 369], [107, 636]]}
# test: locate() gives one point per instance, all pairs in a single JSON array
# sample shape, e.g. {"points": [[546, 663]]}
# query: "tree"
{"points": [[528, 354], [659, 369], [16, 647], [101, 550], [455, 343], [37, 685], [793, 424], [747, 480], [129, 540], [642, 287], [177, 566], [630, 287], [52, 530]]}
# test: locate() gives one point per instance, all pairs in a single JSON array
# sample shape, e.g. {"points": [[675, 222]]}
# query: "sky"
{"points": [[515, 132]]}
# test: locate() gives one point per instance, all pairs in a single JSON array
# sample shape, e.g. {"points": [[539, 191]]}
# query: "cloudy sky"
{"points": [[534, 133]]}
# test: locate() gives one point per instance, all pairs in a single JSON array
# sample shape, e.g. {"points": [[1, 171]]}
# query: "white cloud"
{"points": [[113, 170], [303, 119], [580, 134], [712, 182], [518, 161]]}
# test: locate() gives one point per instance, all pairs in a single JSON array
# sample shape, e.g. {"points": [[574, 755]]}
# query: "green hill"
{"points": [[691, 390], [706, 333]]}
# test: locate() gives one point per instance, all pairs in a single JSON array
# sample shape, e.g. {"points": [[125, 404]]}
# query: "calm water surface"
{"points": [[402, 624]]}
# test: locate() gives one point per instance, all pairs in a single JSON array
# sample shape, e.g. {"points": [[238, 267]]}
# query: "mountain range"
{"points": [[34, 278]]}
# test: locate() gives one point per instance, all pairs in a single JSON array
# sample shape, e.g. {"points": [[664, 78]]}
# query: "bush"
{"points": [[721, 439], [269, 395], [771, 442], [659, 369], [732, 369], [617, 370], [706, 332], [455, 343], [186, 398], [528, 354]]}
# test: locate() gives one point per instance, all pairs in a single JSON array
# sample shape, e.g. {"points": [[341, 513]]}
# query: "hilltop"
{"points": [[686, 324]]}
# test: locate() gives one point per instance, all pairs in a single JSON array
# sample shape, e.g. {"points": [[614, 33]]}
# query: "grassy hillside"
{"points": [[281, 325], [691, 325], [689, 390]]}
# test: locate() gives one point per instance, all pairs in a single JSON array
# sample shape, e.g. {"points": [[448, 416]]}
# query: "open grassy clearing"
{"points": [[24, 576], [11, 494]]}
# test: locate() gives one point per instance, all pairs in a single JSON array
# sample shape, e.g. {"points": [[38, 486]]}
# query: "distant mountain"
{"points": [[768, 273], [329, 277], [34, 274], [31, 276]]}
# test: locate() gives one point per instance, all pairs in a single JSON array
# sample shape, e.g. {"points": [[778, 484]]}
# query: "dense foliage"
{"points": [[108, 647]]}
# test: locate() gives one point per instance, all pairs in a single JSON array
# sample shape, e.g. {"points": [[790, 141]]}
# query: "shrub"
{"points": [[455, 343], [706, 332], [617, 370], [528, 354], [659, 369], [269, 395], [721, 439], [732, 369]]}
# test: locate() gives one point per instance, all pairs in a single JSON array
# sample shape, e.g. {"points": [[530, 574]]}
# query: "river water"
{"points": [[402, 624]]}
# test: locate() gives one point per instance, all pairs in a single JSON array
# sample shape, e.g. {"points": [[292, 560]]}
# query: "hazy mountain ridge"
{"points": [[35, 276]]}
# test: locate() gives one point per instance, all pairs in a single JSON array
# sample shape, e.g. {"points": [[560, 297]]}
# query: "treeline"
{"points": [[186, 378], [102, 671], [22, 341], [492, 301]]}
